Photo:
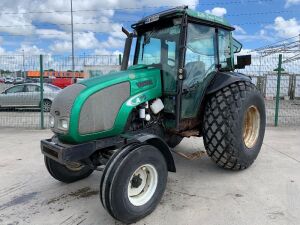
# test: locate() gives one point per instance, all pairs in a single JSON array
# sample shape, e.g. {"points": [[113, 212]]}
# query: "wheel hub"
{"points": [[142, 185], [251, 126], [136, 181], [74, 166]]}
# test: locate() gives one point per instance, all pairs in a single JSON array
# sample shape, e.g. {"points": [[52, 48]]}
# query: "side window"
{"points": [[16, 89], [224, 49], [32, 88], [200, 53], [171, 53], [150, 52]]}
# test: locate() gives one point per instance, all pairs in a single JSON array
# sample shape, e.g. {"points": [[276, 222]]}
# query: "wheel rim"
{"points": [[142, 185], [251, 126], [74, 166], [47, 106]]}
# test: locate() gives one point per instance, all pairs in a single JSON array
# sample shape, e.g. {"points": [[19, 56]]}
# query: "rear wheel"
{"points": [[67, 173], [234, 125], [133, 182]]}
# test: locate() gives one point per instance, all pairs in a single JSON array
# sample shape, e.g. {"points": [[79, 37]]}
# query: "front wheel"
{"points": [[67, 173], [234, 125], [133, 182]]}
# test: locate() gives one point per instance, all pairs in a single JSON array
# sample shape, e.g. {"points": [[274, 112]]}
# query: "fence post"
{"points": [[279, 70], [42, 91]]}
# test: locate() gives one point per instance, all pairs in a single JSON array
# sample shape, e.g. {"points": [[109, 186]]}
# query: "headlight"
{"points": [[64, 124], [51, 121]]}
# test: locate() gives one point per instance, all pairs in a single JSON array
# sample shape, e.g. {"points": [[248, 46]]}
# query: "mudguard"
{"points": [[223, 79], [160, 144]]}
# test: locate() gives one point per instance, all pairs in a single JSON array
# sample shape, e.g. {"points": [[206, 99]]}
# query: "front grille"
{"points": [[62, 104], [64, 100], [100, 110]]}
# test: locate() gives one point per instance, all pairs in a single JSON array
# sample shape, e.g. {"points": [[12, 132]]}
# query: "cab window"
{"points": [[224, 49], [150, 51]]}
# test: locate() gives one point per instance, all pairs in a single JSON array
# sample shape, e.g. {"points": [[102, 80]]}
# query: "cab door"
{"points": [[200, 67]]}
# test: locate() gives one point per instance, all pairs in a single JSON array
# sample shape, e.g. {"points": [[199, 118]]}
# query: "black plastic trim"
{"points": [[223, 79]]}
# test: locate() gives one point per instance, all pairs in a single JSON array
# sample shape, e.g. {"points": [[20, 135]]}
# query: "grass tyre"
{"points": [[234, 125], [133, 182], [67, 174]]}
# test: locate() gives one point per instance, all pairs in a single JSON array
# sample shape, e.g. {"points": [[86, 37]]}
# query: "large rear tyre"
{"points": [[67, 174], [133, 182], [234, 125]]}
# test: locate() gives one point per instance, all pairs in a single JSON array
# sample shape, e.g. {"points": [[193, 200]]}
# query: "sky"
{"points": [[43, 26]]}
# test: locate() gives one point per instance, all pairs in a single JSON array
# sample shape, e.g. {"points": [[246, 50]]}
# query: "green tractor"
{"points": [[126, 124]]}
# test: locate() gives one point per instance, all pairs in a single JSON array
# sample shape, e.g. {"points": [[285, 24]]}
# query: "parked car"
{"points": [[19, 80], [9, 80], [29, 80], [62, 82], [28, 96], [2, 80]]}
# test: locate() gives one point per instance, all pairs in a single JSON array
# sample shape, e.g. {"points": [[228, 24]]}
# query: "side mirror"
{"points": [[243, 61]]}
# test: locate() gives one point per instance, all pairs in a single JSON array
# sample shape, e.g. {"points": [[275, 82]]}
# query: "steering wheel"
{"points": [[194, 81]]}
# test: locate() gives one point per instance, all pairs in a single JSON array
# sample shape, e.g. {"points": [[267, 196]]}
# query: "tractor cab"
{"points": [[189, 48]]}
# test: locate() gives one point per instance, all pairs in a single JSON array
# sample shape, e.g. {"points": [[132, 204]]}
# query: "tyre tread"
{"points": [[219, 123]]}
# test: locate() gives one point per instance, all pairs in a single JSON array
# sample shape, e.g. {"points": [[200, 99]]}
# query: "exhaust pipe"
{"points": [[127, 49]]}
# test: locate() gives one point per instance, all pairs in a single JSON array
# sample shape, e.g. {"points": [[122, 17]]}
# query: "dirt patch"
{"points": [[85, 192], [19, 200]]}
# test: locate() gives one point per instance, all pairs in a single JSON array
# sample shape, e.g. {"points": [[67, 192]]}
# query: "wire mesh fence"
{"points": [[264, 74], [21, 104]]}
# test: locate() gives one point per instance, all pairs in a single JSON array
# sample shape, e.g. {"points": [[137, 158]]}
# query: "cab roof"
{"points": [[179, 11]]}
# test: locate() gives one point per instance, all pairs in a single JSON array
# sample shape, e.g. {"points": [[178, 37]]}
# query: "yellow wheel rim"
{"points": [[251, 126]]}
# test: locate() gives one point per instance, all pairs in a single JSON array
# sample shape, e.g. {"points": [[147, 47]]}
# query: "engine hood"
{"points": [[133, 73], [105, 100]]}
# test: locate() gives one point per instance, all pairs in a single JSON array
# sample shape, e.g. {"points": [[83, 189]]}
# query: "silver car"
{"points": [[28, 95]]}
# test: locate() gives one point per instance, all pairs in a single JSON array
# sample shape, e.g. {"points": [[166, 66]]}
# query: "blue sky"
{"points": [[43, 26]]}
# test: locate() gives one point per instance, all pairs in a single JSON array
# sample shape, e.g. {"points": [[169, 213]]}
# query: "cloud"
{"points": [[261, 35], [288, 3], [30, 49], [99, 20], [85, 41], [2, 51], [281, 28], [239, 30], [61, 46], [53, 34], [217, 11], [16, 24], [286, 28]]}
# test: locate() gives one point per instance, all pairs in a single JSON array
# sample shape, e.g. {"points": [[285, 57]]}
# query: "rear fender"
{"points": [[223, 79]]}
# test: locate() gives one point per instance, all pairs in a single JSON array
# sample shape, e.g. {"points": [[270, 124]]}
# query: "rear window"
{"points": [[51, 88]]}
